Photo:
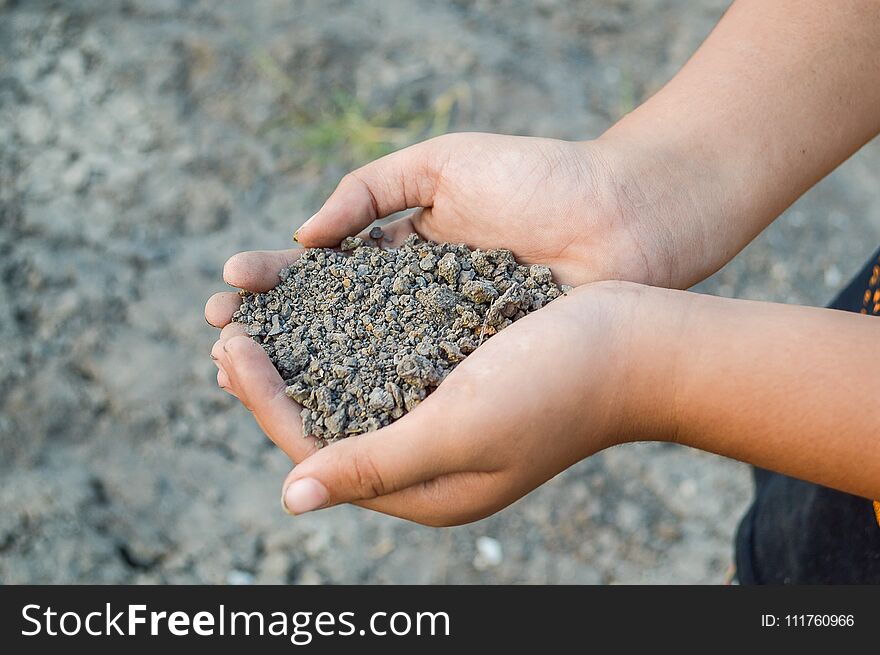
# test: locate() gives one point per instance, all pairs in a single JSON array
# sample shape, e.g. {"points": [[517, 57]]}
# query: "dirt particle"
{"points": [[479, 291]]}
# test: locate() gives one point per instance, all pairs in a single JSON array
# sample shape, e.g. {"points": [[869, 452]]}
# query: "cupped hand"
{"points": [[537, 397], [559, 203]]}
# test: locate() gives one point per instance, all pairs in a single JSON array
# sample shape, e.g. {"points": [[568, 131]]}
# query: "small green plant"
{"points": [[343, 130]]}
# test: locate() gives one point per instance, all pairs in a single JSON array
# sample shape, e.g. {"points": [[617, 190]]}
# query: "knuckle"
{"points": [[366, 477], [359, 178], [355, 179]]}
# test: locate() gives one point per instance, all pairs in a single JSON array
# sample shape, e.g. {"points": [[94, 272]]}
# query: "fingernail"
{"points": [[304, 495], [300, 229]]}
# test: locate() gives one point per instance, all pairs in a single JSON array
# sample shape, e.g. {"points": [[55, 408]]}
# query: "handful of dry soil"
{"points": [[364, 335]]}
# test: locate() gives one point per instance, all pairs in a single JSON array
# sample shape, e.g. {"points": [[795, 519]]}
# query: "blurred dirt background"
{"points": [[142, 142]]}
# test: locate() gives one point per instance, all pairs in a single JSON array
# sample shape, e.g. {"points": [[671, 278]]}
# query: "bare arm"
{"points": [[787, 388], [778, 96]]}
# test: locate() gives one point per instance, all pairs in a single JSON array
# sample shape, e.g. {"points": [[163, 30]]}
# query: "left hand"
{"points": [[551, 389]]}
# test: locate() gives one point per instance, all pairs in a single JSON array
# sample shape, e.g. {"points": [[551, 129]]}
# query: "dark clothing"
{"points": [[797, 532]]}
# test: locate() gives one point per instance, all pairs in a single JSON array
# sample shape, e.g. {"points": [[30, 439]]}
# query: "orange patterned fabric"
{"points": [[871, 305], [871, 301]]}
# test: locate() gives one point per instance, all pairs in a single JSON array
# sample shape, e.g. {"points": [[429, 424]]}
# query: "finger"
{"points": [[220, 308], [421, 446], [229, 330], [217, 352], [223, 380], [219, 355], [402, 180], [257, 270], [258, 385]]}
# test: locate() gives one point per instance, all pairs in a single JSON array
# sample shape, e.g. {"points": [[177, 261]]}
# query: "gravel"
{"points": [[362, 335]]}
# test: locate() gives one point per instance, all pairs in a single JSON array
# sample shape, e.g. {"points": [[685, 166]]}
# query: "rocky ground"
{"points": [[142, 142]]}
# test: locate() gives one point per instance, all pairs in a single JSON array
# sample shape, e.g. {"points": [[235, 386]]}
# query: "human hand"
{"points": [[551, 389], [575, 207]]}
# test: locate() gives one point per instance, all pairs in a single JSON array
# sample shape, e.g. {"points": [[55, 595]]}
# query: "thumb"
{"points": [[402, 180], [416, 448]]}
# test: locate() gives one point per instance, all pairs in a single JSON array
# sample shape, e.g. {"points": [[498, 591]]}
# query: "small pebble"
{"points": [[489, 553]]}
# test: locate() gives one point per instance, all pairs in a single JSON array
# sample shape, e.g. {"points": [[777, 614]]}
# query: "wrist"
{"points": [[644, 356], [667, 200]]}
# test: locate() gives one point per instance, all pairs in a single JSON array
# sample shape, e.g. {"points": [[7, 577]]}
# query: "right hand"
{"points": [[552, 202], [482, 439]]}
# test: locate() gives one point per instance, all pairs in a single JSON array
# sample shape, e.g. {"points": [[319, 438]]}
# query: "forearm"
{"points": [[778, 95], [791, 389]]}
